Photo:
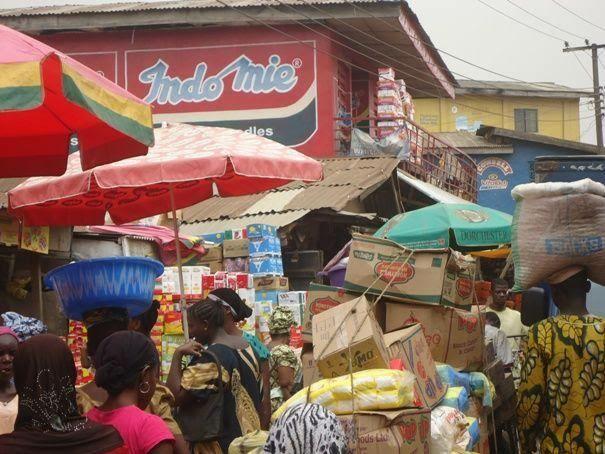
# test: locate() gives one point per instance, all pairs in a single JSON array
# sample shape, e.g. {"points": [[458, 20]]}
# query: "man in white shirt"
{"points": [[496, 336], [510, 319]]}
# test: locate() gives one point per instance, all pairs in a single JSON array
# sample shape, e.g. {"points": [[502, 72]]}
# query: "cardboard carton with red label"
{"points": [[379, 432], [419, 276], [408, 347], [320, 298], [454, 336]]}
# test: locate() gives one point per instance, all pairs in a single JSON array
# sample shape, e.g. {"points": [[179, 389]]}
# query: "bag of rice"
{"points": [[374, 389], [555, 226]]}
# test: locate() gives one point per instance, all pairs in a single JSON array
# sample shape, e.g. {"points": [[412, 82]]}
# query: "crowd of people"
{"points": [[225, 383]]}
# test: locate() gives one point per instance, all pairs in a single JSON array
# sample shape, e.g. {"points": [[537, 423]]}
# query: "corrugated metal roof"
{"points": [[435, 193], [517, 88], [165, 5], [218, 225], [465, 139], [345, 179]]}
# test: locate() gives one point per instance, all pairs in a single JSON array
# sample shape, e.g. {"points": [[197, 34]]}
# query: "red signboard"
{"points": [[246, 78]]}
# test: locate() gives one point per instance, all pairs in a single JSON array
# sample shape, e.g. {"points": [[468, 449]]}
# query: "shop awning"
{"points": [[435, 193]]}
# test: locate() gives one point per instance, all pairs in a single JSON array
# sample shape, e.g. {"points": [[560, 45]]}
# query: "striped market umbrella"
{"points": [[48, 99]]}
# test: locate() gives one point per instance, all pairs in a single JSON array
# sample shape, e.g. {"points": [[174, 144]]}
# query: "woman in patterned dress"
{"points": [[284, 364], [197, 381]]}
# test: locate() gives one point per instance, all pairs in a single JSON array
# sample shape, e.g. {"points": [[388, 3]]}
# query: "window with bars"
{"points": [[526, 120]]}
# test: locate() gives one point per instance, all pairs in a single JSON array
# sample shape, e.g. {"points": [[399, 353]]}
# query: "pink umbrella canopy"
{"points": [[189, 163], [46, 97]]}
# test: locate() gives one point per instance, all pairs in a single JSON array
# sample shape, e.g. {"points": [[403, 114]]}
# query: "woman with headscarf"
{"points": [[306, 429], [9, 401], [48, 420], [198, 383], [127, 366], [24, 327], [285, 366], [236, 311]]}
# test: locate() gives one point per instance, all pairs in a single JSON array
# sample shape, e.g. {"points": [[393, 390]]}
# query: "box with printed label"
{"points": [[265, 283], [213, 266], [236, 248], [266, 264], [216, 238], [268, 295], [237, 265], [213, 253], [263, 246], [380, 432], [454, 336], [409, 346], [261, 230], [348, 328], [320, 298], [292, 298]]}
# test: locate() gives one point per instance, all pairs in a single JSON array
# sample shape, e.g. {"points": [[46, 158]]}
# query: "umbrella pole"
{"points": [[179, 264]]}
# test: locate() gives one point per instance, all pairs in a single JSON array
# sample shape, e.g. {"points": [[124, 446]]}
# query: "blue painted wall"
{"points": [[498, 174]]}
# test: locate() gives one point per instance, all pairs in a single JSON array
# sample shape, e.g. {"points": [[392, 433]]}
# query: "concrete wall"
{"points": [[556, 117]]}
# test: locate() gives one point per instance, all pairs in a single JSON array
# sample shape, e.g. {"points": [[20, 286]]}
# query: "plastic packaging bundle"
{"points": [[475, 383], [249, 443], [555, 226], [456, 397], [449, 431], [374, 389], [473, 430]]}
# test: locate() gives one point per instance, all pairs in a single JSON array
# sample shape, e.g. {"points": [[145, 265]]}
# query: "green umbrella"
{"points": [[461, 226]]}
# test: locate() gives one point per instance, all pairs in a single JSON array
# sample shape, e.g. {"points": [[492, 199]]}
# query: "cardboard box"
{"points": [[320, 298], [454, 336], [236, 248], [214, 267], [237, 265], [380, 432], [409, 346], [261, 230], [458, 288], [378, 264], [348, 327], [266, 264], [263, 312], [264, 246], [292, 298], [214, 254], [311, 373], [271, 283], [216, 238], [270, 295]]}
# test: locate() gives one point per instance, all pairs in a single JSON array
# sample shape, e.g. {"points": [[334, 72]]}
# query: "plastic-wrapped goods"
{"points": [[449, 431], [249, 443], [557, 225], [374, 389], [474, 431], [475, 383], [456, 397]]}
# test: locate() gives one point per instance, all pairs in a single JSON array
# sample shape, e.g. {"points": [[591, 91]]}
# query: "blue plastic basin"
{"points": [[125, 282]]}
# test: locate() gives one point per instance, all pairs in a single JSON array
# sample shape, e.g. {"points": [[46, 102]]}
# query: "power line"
{"points": [[314, 47], [432, 46], [544, 21], [582, 65], [521, 23], [578, 16]]}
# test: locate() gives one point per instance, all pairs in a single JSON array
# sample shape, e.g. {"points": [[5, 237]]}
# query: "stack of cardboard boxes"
{"points": [[398, 309]]}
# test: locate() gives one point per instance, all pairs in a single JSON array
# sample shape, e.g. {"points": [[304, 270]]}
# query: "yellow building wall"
{"points": [[556, 117]]}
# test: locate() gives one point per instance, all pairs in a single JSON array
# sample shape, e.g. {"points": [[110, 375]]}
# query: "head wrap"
{"points": [[120, 359], [239, 309], [6, 330], [24, 327], [281, 320], [306, 429], [48, 420], [223, 303]]}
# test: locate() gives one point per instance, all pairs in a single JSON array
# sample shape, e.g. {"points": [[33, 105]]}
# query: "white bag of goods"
{"points": [[374, 389], [555, 226], [449, 431]]}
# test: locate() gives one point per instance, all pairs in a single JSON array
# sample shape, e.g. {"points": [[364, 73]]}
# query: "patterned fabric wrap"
{"points": [[281, 320], [306, 429], [562, 388], [281, 356], [24, 327]]}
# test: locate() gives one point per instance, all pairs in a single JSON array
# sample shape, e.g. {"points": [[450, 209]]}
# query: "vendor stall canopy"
{"points": [[461, 226], [50, 103]]}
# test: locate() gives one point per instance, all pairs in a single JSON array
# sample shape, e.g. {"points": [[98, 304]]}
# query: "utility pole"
{"points": [[595, 84]]}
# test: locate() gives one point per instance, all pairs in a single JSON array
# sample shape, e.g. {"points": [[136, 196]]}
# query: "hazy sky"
{"points": [[471, 30]]}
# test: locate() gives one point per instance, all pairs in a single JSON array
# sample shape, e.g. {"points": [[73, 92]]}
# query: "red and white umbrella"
{"points": [[187, 165]]}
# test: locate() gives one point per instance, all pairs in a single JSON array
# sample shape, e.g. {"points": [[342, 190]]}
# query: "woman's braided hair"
{"points": [[208, 310]]}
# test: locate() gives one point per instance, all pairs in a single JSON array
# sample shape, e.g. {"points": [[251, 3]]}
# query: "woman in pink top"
{"points": [[127, 367]]}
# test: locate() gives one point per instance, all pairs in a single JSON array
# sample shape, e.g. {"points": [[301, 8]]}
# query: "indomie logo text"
{"points": [[394, 272], [248, 77]]}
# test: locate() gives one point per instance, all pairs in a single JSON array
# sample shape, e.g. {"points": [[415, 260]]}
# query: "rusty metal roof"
{"points": [[346, 180], [471, 143], [164, 5]]}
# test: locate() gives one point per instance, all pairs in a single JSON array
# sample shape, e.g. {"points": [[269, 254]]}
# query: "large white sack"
{"points": [[557, 225]]}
